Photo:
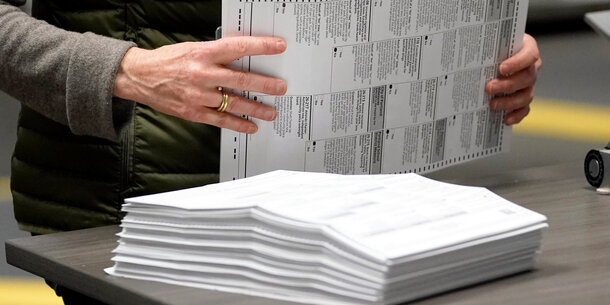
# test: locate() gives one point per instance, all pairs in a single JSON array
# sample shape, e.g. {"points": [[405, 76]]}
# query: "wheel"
{"points": [[594, 168]]}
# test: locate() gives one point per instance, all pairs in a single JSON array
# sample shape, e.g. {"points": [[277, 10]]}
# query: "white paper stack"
{"points": [[327, 239]]}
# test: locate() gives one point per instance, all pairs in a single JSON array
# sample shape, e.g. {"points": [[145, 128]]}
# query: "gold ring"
{"points": [[225, 103]]}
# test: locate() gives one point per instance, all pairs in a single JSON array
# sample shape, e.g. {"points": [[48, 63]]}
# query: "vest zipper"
{"points": [[126, 161]]}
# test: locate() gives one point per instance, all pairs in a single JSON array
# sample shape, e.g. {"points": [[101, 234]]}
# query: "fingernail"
{"points": [[270, 115], [491, 87], [493, 105], [281, 44], [252, 129], [503, 69], [281, 87], [510, 121]]}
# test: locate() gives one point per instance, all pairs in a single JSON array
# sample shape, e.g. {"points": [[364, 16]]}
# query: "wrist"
{"points": [[125, 84]]}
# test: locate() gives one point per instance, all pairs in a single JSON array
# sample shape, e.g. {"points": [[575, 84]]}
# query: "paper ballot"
{"points": [[374, 86], [327, 239]]}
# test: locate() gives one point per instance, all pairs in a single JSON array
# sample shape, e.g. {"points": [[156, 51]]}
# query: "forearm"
{"points": [[67, 76]]}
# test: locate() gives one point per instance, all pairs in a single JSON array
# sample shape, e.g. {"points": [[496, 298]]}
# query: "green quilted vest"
{"points": [[65, 182]]}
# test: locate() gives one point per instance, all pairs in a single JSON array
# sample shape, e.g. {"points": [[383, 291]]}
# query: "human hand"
{"points": [[183, 80], [520, 73]]}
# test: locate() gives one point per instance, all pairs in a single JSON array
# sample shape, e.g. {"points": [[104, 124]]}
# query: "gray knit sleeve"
{"points": [[66, 76]]}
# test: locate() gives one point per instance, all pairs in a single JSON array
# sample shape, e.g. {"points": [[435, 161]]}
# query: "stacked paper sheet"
{"points": [[327, 239]]}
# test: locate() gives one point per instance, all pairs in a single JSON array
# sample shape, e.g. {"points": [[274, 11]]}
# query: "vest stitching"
{"points": [[64, 172], [84, 211]]}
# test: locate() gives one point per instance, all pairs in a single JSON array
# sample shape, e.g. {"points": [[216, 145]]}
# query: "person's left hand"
{"points": [[517, 85]]}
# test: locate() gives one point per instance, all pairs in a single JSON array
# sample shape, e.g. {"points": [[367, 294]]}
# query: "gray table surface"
{"points": [[574, 267]]}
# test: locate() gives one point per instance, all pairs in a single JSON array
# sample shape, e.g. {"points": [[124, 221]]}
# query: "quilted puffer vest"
{"points": [[64, 182]]}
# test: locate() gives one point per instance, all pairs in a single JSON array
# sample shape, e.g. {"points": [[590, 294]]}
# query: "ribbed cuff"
{"points": [[91, 109]]}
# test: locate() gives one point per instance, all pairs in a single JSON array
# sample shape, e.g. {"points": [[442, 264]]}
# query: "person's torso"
{"points": [[63, 182]]}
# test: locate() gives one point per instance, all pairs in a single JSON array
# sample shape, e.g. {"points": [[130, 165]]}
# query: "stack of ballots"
{"points": [[327, 239]]}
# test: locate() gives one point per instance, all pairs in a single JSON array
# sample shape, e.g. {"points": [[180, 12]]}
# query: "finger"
{"points": [[224, 120], [247, 81], [538, 64], [206, 111], [228, 49], [514, 101], [241, 105], [517, 116], [520, 80], [528, 55]]}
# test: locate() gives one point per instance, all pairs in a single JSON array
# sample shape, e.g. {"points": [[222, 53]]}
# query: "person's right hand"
{"points": [[183, 80]]}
